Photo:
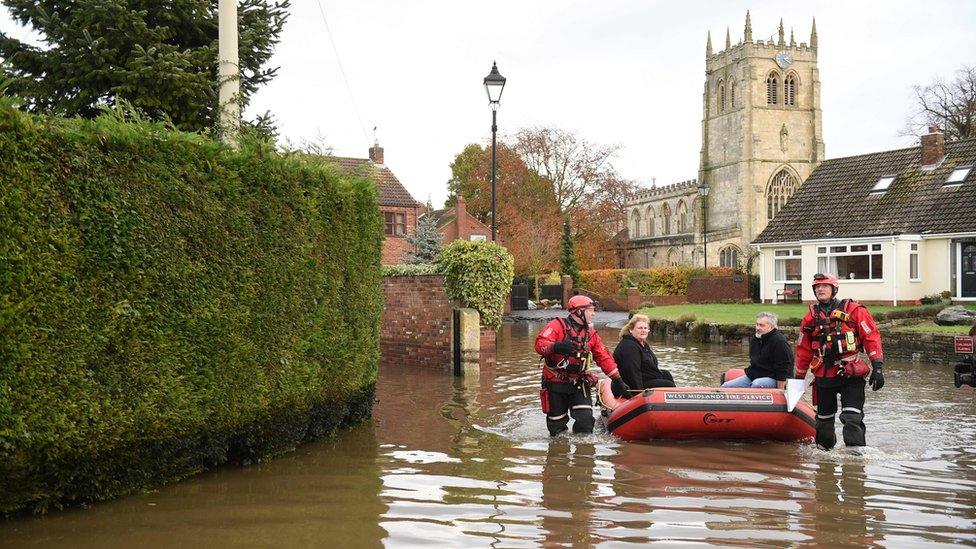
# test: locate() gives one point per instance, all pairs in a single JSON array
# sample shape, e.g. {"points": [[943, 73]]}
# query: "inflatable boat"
{"points": [[706, 413]]}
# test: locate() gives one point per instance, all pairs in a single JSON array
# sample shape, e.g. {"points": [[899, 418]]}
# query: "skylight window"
{"points": [[883, 184], [958, 175]]}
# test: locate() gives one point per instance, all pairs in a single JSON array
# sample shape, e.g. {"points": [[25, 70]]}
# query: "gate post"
{"points": [[466, 342]]}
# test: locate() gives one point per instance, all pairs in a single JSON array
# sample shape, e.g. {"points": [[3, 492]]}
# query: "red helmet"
{"points": [[821, 278], [579, 302]]}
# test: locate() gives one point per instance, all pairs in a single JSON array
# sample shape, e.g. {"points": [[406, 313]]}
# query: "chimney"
{"points": [[932, 146], [376, 153]]}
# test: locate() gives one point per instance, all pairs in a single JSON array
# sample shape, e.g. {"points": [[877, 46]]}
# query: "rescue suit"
{"points": [[565, 383], [832, 336]]}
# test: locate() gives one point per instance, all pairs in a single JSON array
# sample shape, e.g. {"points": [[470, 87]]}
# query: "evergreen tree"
{"points": [[160, 56], [568, 262], [427, 241]]}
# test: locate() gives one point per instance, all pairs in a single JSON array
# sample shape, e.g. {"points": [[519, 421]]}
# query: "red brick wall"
{"points": [[488, 348], [712, 289], [395, 248], [416, 322]]}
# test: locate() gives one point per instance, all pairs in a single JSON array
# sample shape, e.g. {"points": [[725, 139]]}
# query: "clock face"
{"points": [[784, 59]]}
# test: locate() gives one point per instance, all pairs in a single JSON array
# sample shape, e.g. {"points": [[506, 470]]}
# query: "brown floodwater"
{"points": [[449, 462]]}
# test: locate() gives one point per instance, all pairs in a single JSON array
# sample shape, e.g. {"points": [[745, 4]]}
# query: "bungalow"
{"points": [[894, 226], [398, 208]]}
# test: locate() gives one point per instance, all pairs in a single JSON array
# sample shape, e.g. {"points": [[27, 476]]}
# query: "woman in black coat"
{"points": [[636, 361]]}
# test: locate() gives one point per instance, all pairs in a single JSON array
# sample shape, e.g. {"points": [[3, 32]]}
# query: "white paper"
{"points": [[794, 390]]}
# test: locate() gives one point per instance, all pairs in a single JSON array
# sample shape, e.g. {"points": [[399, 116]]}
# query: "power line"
{"points": [[335, 50]]}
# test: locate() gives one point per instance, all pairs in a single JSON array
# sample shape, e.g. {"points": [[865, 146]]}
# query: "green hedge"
{"points": [[167, 304], [479, 275]]}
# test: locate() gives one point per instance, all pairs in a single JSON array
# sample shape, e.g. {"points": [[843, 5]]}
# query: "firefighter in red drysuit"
{"points": [[832, 335], [565, 344]]}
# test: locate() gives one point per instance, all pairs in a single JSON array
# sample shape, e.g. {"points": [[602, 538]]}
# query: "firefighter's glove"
{"points": [[624, 386], [877, 376], [565, 348]]}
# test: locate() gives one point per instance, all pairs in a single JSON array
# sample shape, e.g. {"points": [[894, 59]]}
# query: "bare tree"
{"points": [[574, 166], [951, 106]]}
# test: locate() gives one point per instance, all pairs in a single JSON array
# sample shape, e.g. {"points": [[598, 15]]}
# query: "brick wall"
{"points": [[488, 348], [416, 322], [395, 248], [712, 289]]}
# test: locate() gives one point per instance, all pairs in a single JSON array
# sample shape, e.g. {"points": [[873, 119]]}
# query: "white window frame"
{"points": [[955, 180], [828, 251], [883, 184], [787, 255], [914, 263]]}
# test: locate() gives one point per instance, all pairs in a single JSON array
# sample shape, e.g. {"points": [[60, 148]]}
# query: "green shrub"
{"points": [[656, 281], [168, 304], [685, 318], [409, 270], [479, 274]]}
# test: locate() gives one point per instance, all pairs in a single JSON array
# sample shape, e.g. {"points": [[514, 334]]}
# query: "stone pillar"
{"points": [[468, 343]]}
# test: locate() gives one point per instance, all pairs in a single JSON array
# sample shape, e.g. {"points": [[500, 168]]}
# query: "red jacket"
{"points": [[837, 336], [588, 341]]}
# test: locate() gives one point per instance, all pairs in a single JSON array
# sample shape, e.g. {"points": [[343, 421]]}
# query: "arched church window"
{"points": [[731, 93], [789, 90], [635, 233], [650, 221], [772, 85], [673, 258], [781, 188], [721, 97], [682, 217], [666, 216], [729, 257]]}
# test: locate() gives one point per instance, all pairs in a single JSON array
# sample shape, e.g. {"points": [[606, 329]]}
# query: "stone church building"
{"points": [[761, 138]]}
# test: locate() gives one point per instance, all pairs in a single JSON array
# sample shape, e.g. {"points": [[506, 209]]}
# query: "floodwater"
{"points": [[449, 462]]}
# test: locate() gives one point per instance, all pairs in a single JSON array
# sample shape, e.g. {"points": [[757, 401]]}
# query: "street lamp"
{"points": [[703, 191], [494, 84]]}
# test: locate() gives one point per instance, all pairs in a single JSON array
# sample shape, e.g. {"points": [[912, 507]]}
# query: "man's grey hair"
{"points": [[770, 316]]}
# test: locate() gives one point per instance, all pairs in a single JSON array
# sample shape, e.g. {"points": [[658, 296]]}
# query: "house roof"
{"points": [[836, 200], [391, 191], [443, 216]]}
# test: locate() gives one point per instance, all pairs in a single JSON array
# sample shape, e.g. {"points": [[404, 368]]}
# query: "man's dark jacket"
{"points": [[770, 356]]}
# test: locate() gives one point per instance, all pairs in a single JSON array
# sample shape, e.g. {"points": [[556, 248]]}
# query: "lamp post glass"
{"points": [[494, 85], [703, 191]]}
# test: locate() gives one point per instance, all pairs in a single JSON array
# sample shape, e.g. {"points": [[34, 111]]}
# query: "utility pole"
{"points": [[229, 72]]}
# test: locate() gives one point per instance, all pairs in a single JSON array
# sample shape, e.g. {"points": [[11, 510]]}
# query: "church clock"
{"points": [[784, 59]]}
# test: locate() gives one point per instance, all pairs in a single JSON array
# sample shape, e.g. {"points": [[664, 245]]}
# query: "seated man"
{"points": [[770, 357]]}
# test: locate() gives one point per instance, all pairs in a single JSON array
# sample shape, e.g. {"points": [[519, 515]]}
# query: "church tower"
{"points": [[761, 136]]}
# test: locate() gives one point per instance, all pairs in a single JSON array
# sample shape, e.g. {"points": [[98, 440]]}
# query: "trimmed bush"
{"points": [[168, 304], [657, 281], [479, 274], [409, 269]]}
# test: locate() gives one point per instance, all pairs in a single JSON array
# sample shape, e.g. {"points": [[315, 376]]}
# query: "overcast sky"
{"points": [[613, 71]]}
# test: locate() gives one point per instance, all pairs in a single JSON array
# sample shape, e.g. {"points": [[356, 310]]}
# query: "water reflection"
{"points": [[468, 463]]}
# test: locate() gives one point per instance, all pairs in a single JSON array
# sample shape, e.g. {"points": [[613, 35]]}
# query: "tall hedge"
{"points": [[167, 305], [650, 281]]}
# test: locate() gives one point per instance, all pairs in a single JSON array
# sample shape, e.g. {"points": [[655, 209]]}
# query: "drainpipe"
{"points": [[894, 274], [762, 275]]}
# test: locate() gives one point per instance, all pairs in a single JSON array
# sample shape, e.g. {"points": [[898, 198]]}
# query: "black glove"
{"points": [[624, 386], [564, 348], [877, 376]]}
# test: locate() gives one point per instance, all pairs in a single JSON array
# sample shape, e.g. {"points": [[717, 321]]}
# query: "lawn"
{"points": [[745, 313], [932, 328]]}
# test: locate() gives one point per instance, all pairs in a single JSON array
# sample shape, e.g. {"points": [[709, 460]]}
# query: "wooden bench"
{"points": [[788, 292]]}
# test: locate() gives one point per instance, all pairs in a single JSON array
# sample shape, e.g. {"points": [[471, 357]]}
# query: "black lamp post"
{"points": [[703, 191], [494, 84]]}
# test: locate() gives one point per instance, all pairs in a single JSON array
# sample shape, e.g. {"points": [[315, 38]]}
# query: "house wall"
{"points": [[395, 248]]}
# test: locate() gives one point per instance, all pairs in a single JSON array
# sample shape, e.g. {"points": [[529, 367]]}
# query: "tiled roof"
{"points": [[391, 191], [443, 216], [836, 200]]}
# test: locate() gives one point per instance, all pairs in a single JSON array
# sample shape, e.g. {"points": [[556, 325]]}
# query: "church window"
{"points": [[682, 217], [780, 189], [637, 224], [666, 215], [772, 85], [650, 221], [721, 97], [789, 90], [673, 258], [729, 257], [731, 93]]}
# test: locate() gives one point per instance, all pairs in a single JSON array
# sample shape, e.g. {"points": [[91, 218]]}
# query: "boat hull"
{"points": [[707, 413]]}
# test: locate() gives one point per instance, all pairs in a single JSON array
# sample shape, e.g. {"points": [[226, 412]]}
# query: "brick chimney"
{"points": [[460, 216], [932, 146], [376, 153]]}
